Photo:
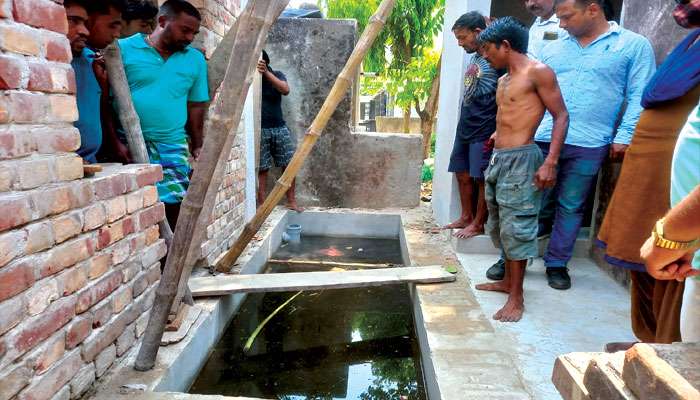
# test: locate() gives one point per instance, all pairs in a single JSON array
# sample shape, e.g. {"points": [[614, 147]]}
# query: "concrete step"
{"points": [[482, 244], [663, 371]]}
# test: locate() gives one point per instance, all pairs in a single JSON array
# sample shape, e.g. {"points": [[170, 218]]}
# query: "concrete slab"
{"points": [[593, 312], [482, 244]]}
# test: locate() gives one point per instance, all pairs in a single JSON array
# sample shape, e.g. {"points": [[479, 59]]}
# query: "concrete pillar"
{"points": [[445, 201]]}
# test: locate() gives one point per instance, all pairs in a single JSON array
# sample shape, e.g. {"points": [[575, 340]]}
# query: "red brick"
{"points": [[116, 208], [151, 216], [11, 72], [137, 242], [99, 265], [39, 237], [69, 167], [41, 14], [109, 234], [121, 251], [15, 141], [109, 186], [16, 278], [56, 140], [97, 291], [77, 331], [36, 329], [16, 210], [67, 254], [12, 245], [73, 279], [152, 234], [153, 273], [14, 381], [13, 312], [40, 295], [140, 284], [57, 47], [51, 78], [128, 225], [94, 217], [44, 356], [67, 226], [62, 108], [21, 39], [25, 107], [54, 379], [53, 199], [149, 175], [83, 193], [105, 336], [101, 313]]}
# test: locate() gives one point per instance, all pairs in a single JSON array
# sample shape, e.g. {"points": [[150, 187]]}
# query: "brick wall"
{"points": [[79, 257], [227, 218]]}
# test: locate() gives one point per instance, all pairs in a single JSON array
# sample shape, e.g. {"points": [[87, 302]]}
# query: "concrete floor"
{"points": [[593, 312]]}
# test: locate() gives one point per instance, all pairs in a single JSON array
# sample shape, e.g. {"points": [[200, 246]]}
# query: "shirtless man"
{"points": [[517, 173]]}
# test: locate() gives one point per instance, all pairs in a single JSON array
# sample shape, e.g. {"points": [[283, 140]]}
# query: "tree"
{"points": [[402, 56]]}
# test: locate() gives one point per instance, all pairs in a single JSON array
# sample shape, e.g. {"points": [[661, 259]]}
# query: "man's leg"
{"points": [[549, 205], [465, 187], [512, 284], [292, 199], [262, 183], [578, 169], [478, 154]]}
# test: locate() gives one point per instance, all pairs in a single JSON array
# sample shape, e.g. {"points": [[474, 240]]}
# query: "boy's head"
{"points": [[503, 37], [467, 29], [139, 17], [180, 22], [104, 22], [76, 13]]}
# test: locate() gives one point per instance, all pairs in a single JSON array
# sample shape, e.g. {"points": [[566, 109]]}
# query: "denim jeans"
{"points": [[578, 169]]}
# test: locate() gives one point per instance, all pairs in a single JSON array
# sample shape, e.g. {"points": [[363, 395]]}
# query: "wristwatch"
{"points": [[661, 241]]}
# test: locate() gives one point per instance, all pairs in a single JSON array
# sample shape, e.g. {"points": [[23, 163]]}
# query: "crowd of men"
{"points": [[167, 78], [543, 109]]}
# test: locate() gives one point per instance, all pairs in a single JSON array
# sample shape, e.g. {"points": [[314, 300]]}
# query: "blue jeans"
{"points": [[578, 169]]}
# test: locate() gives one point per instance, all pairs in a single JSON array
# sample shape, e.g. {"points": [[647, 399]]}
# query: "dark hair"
{"points": [[471, 20], [139, 9], [506, 28], [606, 5], [173, 8], [80, 3], [103, 6], [266, 57]]}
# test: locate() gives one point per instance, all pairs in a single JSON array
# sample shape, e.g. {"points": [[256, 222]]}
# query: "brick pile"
{"points": [[79, 257]]}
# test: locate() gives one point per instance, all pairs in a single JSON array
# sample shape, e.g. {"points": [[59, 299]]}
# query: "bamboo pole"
{"points": [[334, 98], [131, 124], [221, 125]]}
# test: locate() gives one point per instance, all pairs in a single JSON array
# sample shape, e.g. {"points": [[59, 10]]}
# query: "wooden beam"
{"points": [[226, 284], [219, 130]]}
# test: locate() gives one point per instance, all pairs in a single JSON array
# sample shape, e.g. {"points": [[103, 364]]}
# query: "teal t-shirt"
{"points": [[160, 89], [685, 172]]}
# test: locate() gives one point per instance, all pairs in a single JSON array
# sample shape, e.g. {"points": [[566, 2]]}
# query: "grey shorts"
{"points": [[276, 144], [513, 200]]}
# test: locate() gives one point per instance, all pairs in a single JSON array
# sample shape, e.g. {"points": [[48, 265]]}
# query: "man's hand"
{"points": [[262, 67], [195, 153], [665, 264], [617, 151], [99, 68], [546, 176]]}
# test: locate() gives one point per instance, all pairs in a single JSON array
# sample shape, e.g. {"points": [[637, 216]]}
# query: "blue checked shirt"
{"points": [[596, 82]]}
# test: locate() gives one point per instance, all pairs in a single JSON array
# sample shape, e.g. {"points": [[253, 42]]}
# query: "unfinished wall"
{"points": [[79, 258], [653, 19], [345, 169], [227, 218]]}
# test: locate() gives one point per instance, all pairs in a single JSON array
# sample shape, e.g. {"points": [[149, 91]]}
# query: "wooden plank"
{"points": [[226, 284]]}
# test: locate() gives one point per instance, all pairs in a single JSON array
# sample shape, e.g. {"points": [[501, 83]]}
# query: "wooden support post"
{"points": [[219, 131], [334, 98]]}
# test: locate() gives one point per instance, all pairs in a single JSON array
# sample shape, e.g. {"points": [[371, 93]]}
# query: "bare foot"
{"points": [[500, 286], [459, 224], [470, 231], [512, 311], [294, 207]]}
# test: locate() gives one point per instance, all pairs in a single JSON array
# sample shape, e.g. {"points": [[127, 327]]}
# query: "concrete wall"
{"points": [[395, 125], [345, 169]]}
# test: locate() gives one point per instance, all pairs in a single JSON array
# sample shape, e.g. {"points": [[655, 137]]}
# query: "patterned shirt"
{"points": [[477, 119]]}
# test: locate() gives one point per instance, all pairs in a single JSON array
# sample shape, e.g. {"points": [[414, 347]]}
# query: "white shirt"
{"points": [[541, 33]]}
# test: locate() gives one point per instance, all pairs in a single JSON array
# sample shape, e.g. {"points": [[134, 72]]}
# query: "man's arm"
{"points": [[281, 85], [107, 116], [642, 68], [548, 89], [195, 126], [682, 224]]}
